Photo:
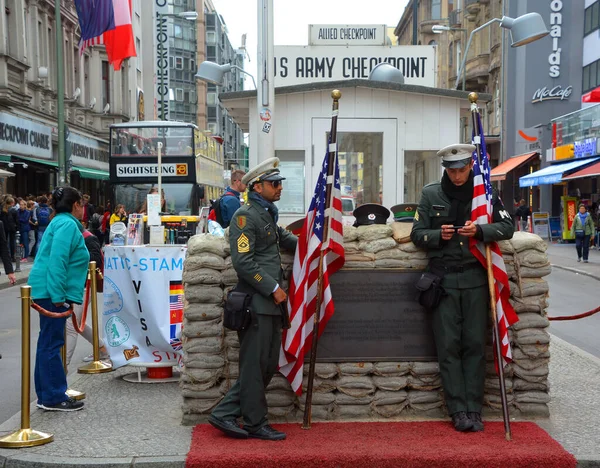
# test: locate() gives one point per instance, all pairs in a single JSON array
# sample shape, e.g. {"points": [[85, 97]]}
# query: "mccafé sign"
{"points": [[24, 137]]}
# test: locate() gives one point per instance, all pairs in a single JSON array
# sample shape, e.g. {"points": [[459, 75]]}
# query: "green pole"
{"points": [[60, 99]]}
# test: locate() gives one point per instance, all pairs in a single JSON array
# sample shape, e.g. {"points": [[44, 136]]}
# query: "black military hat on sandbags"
{"points": [[456, 156], [404, 212], [370, 213]]}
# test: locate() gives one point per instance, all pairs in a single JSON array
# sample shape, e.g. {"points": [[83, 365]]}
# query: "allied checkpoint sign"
{"points": [[309, 64], [143, 304]]}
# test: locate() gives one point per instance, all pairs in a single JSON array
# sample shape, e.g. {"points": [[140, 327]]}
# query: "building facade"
{"points": [[95, 97]]}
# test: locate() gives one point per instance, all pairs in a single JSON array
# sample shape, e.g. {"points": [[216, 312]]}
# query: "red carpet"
{"points": [[375, 445]]}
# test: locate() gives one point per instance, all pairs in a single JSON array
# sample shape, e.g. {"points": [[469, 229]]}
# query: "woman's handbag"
{"points": [[237, 314], [430, 290]]}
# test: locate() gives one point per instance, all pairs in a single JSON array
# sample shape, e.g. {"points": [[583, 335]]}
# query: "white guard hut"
{"points": [[388, 135]]}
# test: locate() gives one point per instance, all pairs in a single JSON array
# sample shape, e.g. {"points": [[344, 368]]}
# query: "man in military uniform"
{"points": [[255, 238], [443, 226]]}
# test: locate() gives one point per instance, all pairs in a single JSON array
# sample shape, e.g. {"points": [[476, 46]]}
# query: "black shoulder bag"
{"points": [[430, 290], [237, 315]]}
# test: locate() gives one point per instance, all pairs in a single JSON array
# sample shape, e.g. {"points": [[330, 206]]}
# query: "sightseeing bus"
{"points": [[191, 167]]}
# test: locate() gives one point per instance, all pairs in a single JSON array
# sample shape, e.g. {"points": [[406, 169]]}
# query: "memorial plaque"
{"points": [[377, 318]]}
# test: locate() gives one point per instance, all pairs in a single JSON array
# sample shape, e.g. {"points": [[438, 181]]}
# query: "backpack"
{"points": [[43, 215], [215, 209]]}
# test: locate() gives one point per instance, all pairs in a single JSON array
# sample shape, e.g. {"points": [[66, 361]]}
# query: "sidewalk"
{"points": [[21, 276], [138, 425]]}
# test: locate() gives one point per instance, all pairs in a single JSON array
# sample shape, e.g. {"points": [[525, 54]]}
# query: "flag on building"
{"points": [[107, 22], [322, 234], [481, 213], [175, 313]]}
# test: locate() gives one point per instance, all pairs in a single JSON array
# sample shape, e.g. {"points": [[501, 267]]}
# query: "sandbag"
{"points": [[355, 385], [391, 383], [343, 399], [202, 276], [279, 382], [377, 245], [359, 265], [350, 234], [523, 385], [401, 232], [203, 361], [206, 345], [540, 410], [197, 312], [533, 351], [532, 397], [194, 405], [430, 382], [531, 336], [351, 247], [424, 401], [529, 303], [203, 329], [424, 368], [532, 258], [506, 247], [395, 253], [356, 368], [230, 277], [231, 339], [537, 375], [522, 240], [188, 390], [530, 320], [207, 243], [280, 398], [373, 232], [353, 411], [392, 368], [204, 260], [202, 379], [409, 247], [323, 370], [204, 294], [279, 413], [537, 272], [320, 385], [233, 354], [318, 399], [360, 257], [394, 263]]}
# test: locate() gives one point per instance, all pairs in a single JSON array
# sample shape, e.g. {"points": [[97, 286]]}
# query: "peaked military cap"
{"points": [[456, 156], [404, 212], [266, 170], [370, 213]]}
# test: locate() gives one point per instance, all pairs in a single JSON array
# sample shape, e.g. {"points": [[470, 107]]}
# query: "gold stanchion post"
{"points": [[97, 366], [75, 394], [25, 437]]}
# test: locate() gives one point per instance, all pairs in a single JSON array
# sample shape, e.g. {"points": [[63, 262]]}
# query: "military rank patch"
{"points": [[258, 278], [417, 215], [241, 222], [243, 244]]}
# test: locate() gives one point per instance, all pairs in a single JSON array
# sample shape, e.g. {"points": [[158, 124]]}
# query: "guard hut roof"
{"points": [[238, 103]]}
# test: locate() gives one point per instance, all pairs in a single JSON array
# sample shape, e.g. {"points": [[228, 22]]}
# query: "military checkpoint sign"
{"points": [[296, 65]]}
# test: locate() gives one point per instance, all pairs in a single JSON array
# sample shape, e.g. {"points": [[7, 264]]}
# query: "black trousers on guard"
{"points": [[259, 356], [459, 328]]}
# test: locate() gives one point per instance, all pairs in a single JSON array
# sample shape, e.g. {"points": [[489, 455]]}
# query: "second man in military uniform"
{"points": [[255, 239], [442, 225]]}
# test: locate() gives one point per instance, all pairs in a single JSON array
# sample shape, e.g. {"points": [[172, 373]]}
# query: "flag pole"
{"points": [[332, 142], [473, 97]]}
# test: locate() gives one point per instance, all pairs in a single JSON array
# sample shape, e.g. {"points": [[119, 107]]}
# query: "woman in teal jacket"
{"points": [[57, 280]]}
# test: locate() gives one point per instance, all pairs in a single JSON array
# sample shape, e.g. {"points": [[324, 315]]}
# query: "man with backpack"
{"points": [[42, 214], [224, 208]]}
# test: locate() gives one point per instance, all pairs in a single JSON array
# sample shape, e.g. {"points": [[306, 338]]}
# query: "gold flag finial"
{"points": [[473, 97], [336, 94]]}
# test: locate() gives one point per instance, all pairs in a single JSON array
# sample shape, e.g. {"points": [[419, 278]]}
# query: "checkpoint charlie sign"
{"points": [[308, 64], [346, 34]]}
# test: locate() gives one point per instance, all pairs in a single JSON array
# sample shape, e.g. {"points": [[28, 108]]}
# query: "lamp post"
{"points": [[186, 15], [63, 171], [523, 30]]}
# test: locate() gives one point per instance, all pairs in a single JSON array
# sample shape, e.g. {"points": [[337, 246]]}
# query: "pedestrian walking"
{"points": [[460, 303], [583, 229], [522, 213], [24, 216], [9, 218], [57, 280], [254, 239], [43, 214]]}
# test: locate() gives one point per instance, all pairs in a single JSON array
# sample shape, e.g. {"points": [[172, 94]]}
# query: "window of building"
{"points": [[211, 37], [451, 56], [105, 83], [193, 65], [177, 30], [178, 94], [211, 99], [179, 63], [591, 76], [591, 19], [193, 97], [436, 9], [458, 54], [138, 49]]}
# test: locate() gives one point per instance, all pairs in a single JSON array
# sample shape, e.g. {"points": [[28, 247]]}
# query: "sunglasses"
{"points": [[275, 183]]}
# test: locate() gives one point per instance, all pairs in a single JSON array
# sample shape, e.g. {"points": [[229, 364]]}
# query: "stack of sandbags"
{"points": [[527, 376], [205, 270], [382, 246]]}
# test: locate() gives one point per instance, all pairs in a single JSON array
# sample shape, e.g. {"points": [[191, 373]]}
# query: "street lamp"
{"points": [[523, 30], [214, 73], [439, 29], [186, 15]]}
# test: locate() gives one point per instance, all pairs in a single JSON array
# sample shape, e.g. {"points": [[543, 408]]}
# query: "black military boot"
{"points": [[475, 418], [461, 422]]}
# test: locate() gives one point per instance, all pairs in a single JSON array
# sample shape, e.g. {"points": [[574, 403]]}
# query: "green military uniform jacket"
{"points": [[435, 210], [254, 239]]}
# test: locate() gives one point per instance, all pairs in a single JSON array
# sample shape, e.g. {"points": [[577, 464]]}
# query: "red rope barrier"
{"points": [[575, 317]]}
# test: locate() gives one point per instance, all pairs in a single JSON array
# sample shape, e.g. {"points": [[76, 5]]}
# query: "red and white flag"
{"points": [[481, 213], [107, 22], [322, 233]]}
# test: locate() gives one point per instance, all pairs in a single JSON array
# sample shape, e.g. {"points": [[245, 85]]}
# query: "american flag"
{"points": [[481, 213], [175, 313], [313, 241]]}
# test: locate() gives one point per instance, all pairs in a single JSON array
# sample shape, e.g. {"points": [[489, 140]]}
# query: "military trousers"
{"points": [[460, 329], [259, 355]]}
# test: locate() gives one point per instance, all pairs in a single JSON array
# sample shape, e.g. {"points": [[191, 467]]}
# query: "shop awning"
{"points": [[501, 170], [45, 162], [88, 173], [4, 158], [592, 96], [590, 171], [554, 173]]}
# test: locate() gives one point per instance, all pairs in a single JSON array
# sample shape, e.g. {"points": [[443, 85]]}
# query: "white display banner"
{"points": [[144, 170], [308, 64], [346, 34], [143, 304]]}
